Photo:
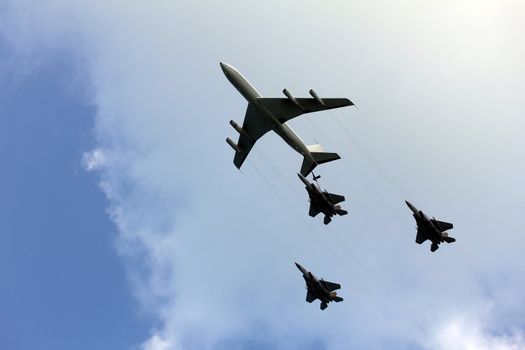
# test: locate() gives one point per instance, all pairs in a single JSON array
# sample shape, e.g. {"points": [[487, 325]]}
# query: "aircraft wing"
{"points": [[310, 297], [443, 226], [284, 109], [421, 236], [335, 198], [314, 210], [332, 286], [255, 126]]}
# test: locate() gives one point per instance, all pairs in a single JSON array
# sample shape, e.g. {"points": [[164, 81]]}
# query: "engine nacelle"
{"points": [[292, 99], [316, 97], [238, 128], [233, 145]]}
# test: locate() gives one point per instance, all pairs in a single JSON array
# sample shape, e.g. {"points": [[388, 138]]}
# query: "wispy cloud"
{"points": [[94, 160], [210, 251]]}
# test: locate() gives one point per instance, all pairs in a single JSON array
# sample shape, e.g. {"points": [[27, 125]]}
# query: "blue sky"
{"points": [[126, 226], [63, 284]]}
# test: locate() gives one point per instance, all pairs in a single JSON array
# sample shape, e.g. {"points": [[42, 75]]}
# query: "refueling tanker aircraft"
{"points": [[431, 229], [265, 114], [319, 288], [322, 201]]}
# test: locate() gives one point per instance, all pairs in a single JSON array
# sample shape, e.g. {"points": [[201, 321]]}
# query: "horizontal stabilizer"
{"points": [[324, 305], [319, 158], [332, 286], [443, 226], [325, 157], [449, 239], [337, 299], [341, 212], [327, 220], [434, 247]]}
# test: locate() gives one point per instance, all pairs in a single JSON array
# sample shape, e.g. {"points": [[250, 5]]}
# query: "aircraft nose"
{"points": [[225, 67], [299, 267], [411, 206], [303, 179]]}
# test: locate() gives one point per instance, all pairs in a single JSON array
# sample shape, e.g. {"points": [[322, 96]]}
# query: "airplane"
{"points": [[431, 229], [265, 114], [319, 288], [322, 201]]}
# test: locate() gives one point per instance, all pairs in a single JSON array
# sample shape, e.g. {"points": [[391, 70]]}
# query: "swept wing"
{"points": [[331, 286], [421, 236], [255, 124], [285, 109]]}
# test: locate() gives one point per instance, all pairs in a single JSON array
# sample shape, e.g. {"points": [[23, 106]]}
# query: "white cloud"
{"points": [[210, 251], [468, 335], [157, 343], [94, 160]]}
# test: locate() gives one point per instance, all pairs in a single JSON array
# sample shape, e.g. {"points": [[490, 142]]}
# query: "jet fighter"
{"points": [[266, 114], [431, 229], [322, 201], [319, 288]]}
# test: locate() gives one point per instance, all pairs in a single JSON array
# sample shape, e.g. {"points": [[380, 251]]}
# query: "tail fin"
{"points": [[319, 158], [327, 220], [324, 305], [337, 299]]}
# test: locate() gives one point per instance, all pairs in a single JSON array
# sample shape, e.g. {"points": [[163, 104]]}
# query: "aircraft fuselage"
{"points": [[318, 197], [314, 285], [434, 234], [251, 95], [427, 224]]}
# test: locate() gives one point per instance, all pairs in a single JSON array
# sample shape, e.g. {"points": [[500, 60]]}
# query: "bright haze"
{"points": [[209, 251]]}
